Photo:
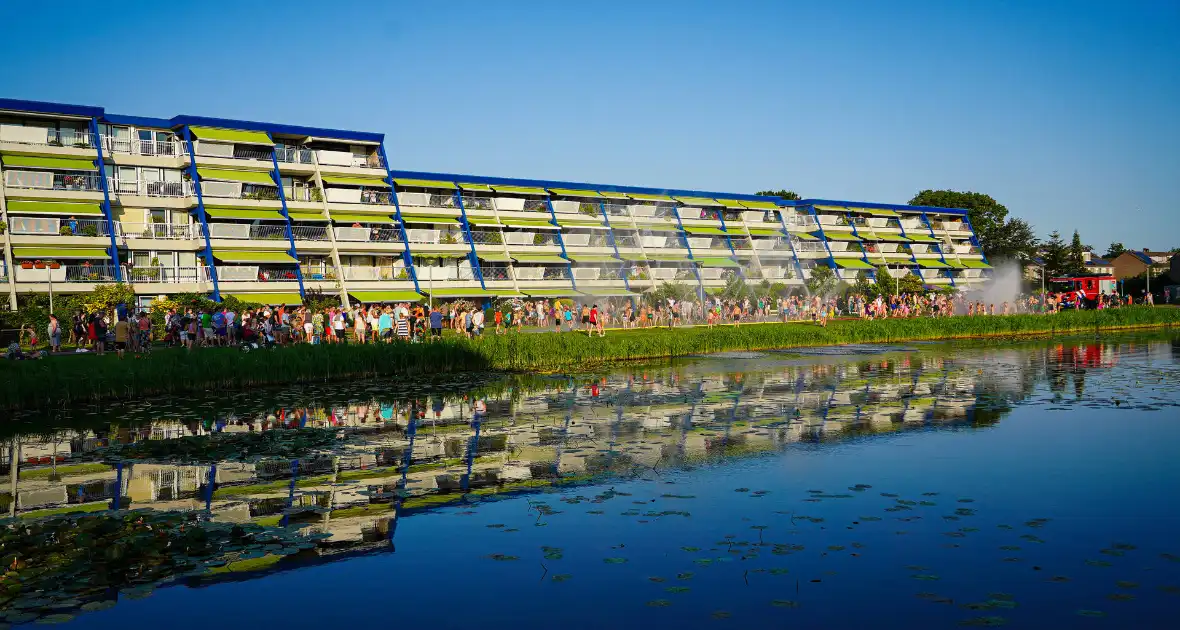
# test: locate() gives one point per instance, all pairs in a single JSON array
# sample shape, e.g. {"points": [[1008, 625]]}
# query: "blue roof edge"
{"points": [[42, 107], [879, 206]]}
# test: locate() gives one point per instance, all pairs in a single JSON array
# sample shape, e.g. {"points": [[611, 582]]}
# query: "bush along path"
{"points": [[60, 381]]}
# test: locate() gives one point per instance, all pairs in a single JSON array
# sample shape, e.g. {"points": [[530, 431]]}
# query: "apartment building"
{"points": [[268, 212]]}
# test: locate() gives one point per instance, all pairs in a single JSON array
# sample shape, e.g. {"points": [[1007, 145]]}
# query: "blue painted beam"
{"points": [[569, 266], [401, 225], [278, 177], [106, 199], [472, 256], [196, 179]]}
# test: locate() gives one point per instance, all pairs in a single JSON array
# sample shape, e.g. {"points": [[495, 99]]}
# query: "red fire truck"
{"points": [[1091, 285]]}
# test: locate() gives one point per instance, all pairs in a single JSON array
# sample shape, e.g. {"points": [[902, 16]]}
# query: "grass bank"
{"points": [[61, 381]]}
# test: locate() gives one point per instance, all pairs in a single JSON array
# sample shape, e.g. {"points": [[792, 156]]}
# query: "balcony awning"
{"points": [[425, 183], [645, 197], [731, 203], [493, 257], [681, 257], [697, 201], [426, 251], [955, 263], [17, 206], [425, 217], [483, 221], [216, 212], [592, 258], [587, 223], [761, 205], [656, 226], [348, 217], [246, 177], [763, 232], [62, 163], [62, 253], [922, 238], [542, 259], [566, 292], [716, 262], [244, 256], [232, 135], [608, 292], [269, 299], [693, 229], [460, 292], [573, 192], [368, 182], [375, 297], [933, 264], [537, 224], [474, 187], [875, 212], [775, 253], [804, 236], [892, 238], [633, 257], [832, 208], [975, 264], [297, 215], [611, 194], [841, 236], [519, 190], [851, 263]]}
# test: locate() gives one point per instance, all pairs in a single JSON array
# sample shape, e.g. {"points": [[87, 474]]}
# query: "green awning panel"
{"points": [[297, 215], [232, 135], [832, 208], [349, 217], [761, 232], [633, 257], [955, 263], [483, 221], [62, 163], [697, 201], [592, 258], [475, 187], [852, 263], [244, 256], [374, 297], [761, 205], [17, 206], [540, 259], [874, 212], [841, 236], [246, 177], [654, 226], [608, 292], [459, 292], [424, 183], [668, 257], [269, 299], [239, 213], [716, 262], [519, 190], [611, 194], [580, 223], [975, 264], [693, 229], [922, 238], [572, 192], [537, 224], [59, 253], [491, 257], [644, 197], [422, 217], [892, 238], [427, 251], [567, 292], [933, 264], [368, 182], [731, 203]]}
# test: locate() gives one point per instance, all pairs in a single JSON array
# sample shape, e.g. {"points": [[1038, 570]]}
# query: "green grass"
{"points": [[63, 471], [69, 509], [62, 381]]}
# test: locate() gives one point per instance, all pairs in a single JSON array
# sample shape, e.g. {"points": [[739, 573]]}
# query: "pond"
{"points": [[1022, 484]]}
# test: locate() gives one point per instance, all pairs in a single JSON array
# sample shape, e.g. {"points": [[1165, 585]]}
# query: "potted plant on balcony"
{"points": [[37, 264], [403, 275], [26, 264], [317, 194], [539, 238], [65, 231], [3, 227], [448, 238], [590, 209], [89, 230], [53, 264]]}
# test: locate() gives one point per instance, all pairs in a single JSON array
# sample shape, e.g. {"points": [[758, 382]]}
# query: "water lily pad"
{"points": [[98, 605], [561, 577], [1058, 579], [659, 603], [691, 549], [1126, 584], [704, 562], [779, 571], [1010, 548], [1089, 613], [1170, 589], [966, 500], [139, 592], [55, 618], [721, 614], [687, 575], [677, 496], [657, 579], [1171, 557], [836, 547], [1098, 563], [1113, 552], [784, 603], [552, 553], [1031, 538], [925, 576], [1123, 547], [677, 589], [1120, 597], [499, 557], [615, 560]]}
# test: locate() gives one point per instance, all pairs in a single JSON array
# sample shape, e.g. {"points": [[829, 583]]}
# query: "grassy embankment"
{"points": [[60, 381]]}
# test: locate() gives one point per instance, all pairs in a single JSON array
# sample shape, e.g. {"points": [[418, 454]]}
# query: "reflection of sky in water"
{"points": [[1081, 434]]}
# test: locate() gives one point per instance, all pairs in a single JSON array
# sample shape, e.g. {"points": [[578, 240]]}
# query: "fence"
{"points": [[150, 188], [48, 180], [371, 273], [479, 237], [478, 203], [89, 273], [168, 275], [309, 232], [369, 234], [156, 230], [294, 155], [46, 226], [139, 146]]}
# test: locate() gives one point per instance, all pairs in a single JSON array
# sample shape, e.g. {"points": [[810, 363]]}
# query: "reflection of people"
{"points": [[481, 411]]}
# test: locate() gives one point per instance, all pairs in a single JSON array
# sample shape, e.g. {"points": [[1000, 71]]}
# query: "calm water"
{"points": [[1031, 485]]}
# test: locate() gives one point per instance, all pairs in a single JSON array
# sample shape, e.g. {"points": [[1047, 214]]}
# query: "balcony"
{"points": [[367, 234], [268, 231], [429, 200], [294, 155], [309, 232], [373, 273], [540, 273], [370, 196], [237, 190], [161, 231], [54, 272], [423, 237], [495, 272], [49, 180], [256, 273], [481, 237], [538, 239], [166, 275], [47, 226], [767, 244], [41, 136], [228, 151], [150, 188], [739, 242], [478, 203], [349, 159], [137, 146]]}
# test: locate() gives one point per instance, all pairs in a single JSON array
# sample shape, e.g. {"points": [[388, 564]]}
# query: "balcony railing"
{"points": [[294, 155], [740, 243], [137, 146], [809, 246], [267, 231], [88, 273], [46, 226], [79, 138], [368, 234], [478, 203], [347, 158], [425, 237], [479, 237], [626, 240], [232, 151], [309, 232], [48, 180], [164, 274], [494, 272], [150, 188], [372, 273], [171, 231], [359, 195]]}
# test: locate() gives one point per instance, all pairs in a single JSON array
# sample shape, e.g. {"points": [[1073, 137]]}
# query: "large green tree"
{"points": [[789, 195], [1000, 236], [1076, 259], [1114, 251], [822, 281], [1055, 255]]}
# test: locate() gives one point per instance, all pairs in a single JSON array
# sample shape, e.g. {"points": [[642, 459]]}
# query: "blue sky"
{"points": [[1066, 112]]}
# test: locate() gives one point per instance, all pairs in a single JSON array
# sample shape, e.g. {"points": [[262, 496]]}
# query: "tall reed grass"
{"points": [[61, 381]]}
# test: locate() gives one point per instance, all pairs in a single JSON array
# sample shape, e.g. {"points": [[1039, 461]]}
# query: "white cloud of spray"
{"points": [[1004, 285]]}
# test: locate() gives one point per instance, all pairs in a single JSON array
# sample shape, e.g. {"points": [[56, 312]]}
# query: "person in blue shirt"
{"points": [[385, 326], [435, 324]]}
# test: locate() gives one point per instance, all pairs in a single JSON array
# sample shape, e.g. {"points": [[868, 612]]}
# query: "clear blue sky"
{"points": [[1066, 112]]}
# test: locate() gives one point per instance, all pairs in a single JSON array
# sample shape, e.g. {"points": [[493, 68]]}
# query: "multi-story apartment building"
{"points": [[268, 212]]}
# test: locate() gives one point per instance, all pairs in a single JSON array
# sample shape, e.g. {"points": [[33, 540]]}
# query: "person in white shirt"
{"points": [[338, 326], [477, 322]]}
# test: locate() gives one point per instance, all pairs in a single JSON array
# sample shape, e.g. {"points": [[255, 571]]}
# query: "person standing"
{"points": [[338, 326], [144, 332], [53, 331], [359, 324], [122, 336], [477, 320], [436, 323]]}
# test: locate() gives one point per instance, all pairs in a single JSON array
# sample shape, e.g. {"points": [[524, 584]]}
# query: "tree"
{"points": [[789, 195], [886, 284], [910, 283], [822, 281], [1076, 260], [1114, 251], [1055, 256], [999, 236]]}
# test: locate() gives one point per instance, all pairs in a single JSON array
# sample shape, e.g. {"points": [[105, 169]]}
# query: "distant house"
{"points": [[1098, 265], [1131, 263]]}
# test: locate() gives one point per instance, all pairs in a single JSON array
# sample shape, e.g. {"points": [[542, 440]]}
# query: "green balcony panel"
{"points": [[761, 205], [592, 258], [658, 257], [536, 224], [519, 190], [657, 226], [955, 263], [461, 292], [731, 203], [831, 208], [425, 217], [17, 206], [424, 183], [717, 262], [708, 231], [232, 135], [891, 238], [875, 212], [589, 224], [697, 201], [60, 253], [922, 238], [572, 192], [556, 293], [841, 236], [351, 217], [611, 194], [634, 257], [428, 251], [483, 221], [933, 264], [246, 177], [216, 212], [377, 297], [474, 187], [852, 263], [269, 299], [975, 264], [759, 232], [297, 215], [246, 256], [368, 182], [544, 259], [60, 163], [491, 257], [804, 236], [646, 197]]}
